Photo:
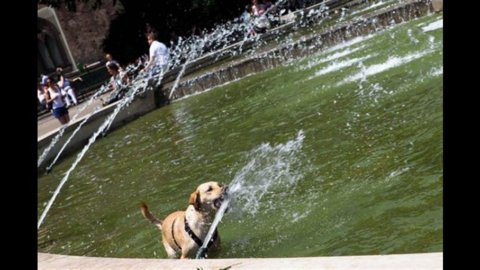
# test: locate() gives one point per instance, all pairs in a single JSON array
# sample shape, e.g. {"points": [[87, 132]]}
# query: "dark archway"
{"points": [[50, 50]]}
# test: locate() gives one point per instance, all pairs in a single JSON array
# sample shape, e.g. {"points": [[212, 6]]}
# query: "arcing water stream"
{"points": [[367, 178], [269, 168]]}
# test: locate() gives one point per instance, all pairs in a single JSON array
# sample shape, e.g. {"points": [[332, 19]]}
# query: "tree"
{"points": [[126, 38], [169, 17]]}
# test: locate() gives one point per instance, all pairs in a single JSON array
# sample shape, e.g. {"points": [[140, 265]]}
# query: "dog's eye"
{"points": [[209, 189]]}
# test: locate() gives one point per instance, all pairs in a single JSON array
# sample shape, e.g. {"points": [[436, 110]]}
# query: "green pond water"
{"points": [[339, 153]]}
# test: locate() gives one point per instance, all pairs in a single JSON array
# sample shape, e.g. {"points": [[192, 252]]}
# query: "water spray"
{"points": [[202, 251], [268, 167]]}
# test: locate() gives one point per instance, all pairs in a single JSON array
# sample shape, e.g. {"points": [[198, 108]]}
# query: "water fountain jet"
{"points": [[357, 151]]}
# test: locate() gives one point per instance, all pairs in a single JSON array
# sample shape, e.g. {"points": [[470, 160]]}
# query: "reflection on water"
{"points": [[335, 166]]}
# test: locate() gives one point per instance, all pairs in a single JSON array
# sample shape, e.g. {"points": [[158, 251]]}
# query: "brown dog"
{"points": [[183, 232]]}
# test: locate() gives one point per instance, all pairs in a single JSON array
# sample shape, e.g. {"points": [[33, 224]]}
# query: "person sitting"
{"points": [[245, 16], [117, 83], [261, 22], [110, 60], [257, 8]]}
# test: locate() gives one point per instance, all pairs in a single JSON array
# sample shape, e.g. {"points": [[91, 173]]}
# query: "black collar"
{"points": [[195, 237]]}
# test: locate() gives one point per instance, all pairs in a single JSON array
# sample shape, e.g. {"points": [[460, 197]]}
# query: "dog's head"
{"points": [[208, 196]]}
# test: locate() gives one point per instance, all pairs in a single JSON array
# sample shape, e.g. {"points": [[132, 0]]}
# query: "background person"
{"points": [[66, 88], [110, 60], [41, 95], [55, 97], [117, 83], [257, 8], [158, 55]]}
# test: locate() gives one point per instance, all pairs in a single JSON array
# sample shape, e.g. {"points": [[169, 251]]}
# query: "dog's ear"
{"points": [[195, 200]]}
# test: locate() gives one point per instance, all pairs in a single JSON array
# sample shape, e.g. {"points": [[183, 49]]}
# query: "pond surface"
{"points": [[337, 154]]}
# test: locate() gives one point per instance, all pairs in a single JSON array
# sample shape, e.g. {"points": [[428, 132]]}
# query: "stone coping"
{"points": [[417, 261]]}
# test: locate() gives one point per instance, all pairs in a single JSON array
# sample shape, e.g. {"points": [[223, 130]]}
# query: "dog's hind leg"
{"points": [[172, 254]]}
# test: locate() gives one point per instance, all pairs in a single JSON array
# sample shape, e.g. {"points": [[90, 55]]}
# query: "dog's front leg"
{"points": [[188, 252]]}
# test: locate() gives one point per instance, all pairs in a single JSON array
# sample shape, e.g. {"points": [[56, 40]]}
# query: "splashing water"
{"points": [[137, 84], [269, 167], [203, 249], [69, 139], [103, 89], [123, 103], [177, 80], [260, 236], [222, 36]]}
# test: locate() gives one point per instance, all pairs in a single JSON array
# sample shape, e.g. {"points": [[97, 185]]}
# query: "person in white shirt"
{"points": [[66, 88], [42, 92], [158, 55], [41, 96]]}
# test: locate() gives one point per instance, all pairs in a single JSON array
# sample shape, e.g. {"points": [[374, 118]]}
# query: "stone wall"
{"points": [[86, 29]]}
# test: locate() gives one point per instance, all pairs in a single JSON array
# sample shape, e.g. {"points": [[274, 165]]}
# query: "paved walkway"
{"points": [[48, 124], [420, 261]]}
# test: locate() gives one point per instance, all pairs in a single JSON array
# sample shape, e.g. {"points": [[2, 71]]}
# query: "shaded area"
{"points": [[171, 18]]}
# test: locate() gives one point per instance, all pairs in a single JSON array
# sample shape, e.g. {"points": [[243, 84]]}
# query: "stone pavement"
{"points": [[418, 261], [48, 124]]}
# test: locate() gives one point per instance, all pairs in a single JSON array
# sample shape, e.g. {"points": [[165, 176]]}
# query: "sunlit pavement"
{"points": [[425, 261], [49, 124]]}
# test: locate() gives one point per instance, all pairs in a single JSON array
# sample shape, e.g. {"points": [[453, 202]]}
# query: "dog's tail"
{"points": [[146, 213]]}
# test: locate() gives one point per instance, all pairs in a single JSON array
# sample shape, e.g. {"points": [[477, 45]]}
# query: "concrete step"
{"points": [[419, 261]]}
